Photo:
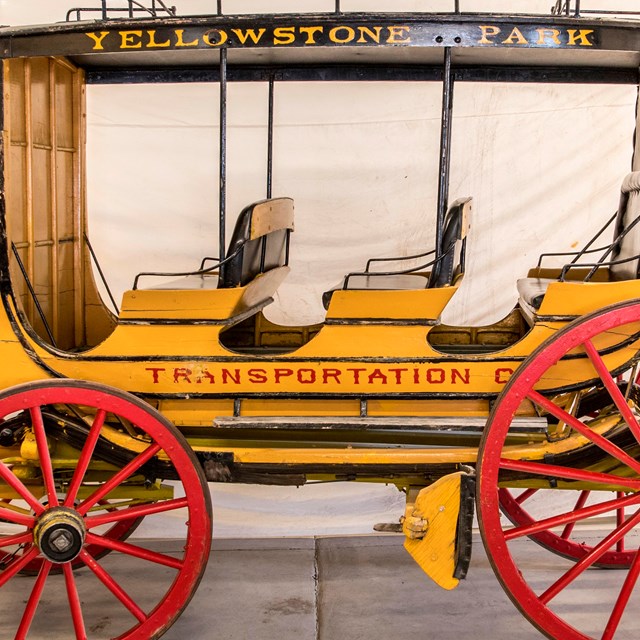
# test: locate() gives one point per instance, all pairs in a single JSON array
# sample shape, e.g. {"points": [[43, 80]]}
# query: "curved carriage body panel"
{"points": [[167, 342]]}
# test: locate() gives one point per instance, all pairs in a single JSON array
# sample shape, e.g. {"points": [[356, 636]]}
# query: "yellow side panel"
{"points": [[422, 304], [578, 298]]}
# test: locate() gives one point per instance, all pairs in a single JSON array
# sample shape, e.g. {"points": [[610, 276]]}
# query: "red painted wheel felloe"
{"points": [[74, 511], [601, 458]]}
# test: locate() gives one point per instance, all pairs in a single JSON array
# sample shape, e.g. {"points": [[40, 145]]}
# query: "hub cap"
{"points": [[60, 534]]}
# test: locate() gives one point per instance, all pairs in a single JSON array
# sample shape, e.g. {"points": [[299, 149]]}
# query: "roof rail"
{"points": [[157, 9], [337, 8], [573, 9]]}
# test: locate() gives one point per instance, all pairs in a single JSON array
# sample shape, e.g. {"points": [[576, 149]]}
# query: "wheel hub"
{"points": [[60, 534]]}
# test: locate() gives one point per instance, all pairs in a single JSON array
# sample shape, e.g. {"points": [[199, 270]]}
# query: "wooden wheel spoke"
{"points": [[584, 430], [118, 478], [136, 512], [525, 495], [584, 563], [580, 502], [85, 457], [34, 600], [17, 518], [44, 455], [568, 473], [17, 565], [612, 388], [74, 602], [577, 513], [20, 538], [135, 551], [17, 485], [620, 518], [113, 586]]}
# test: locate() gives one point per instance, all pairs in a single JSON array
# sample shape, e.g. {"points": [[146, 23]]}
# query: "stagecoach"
{"points": [[115, 413]]}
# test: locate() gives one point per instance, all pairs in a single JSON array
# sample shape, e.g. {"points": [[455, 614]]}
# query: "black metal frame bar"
{"points": [[563, 7], [223, 156], [337, 7], [412, 270], [365, 73], [594, 267], [445, 150], [397, 259], [157, 9], [270, 137], [102, 276], [198, 272], [33, 294], [602, 262], [603, 12], [586, 249]]}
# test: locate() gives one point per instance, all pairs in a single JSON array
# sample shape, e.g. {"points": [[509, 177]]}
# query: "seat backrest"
{"points": [[259, 241], [628, 246], [454, 241]]}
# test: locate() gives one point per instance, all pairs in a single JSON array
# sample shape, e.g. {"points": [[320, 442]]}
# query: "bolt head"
{"points": [[61, 540]]}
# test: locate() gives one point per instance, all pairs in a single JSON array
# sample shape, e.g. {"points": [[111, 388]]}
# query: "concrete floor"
{"points": [[367, 587]]}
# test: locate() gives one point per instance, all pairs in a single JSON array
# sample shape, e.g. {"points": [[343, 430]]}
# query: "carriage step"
{"points": [[437, 424]]}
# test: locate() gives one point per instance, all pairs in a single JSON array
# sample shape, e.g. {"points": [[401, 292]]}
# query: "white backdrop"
{"points": [[544, 165]]}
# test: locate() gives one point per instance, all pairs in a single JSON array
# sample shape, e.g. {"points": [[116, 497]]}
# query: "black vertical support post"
{"points": [[104, 9], [577, 14], [263, 249], [5, 280], [219, 7], [270, 139], [636, 140], [223, 152], [445, 148]]}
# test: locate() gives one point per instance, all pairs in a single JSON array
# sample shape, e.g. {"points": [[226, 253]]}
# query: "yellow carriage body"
{"points": [[204, 354]]}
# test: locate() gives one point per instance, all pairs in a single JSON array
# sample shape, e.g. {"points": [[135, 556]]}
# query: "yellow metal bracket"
{"points": [[430, 526]]}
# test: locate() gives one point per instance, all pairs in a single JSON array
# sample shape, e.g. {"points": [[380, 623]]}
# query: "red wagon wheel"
{"points": [[70, 525], [567, 600]]}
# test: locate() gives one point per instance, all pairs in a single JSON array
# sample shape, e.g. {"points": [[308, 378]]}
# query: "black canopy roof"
{"points": [[481, 45]]}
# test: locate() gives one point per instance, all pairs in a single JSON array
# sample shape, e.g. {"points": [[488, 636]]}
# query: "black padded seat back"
{"points": [[258, 242], [628, 246], [454, 240]]}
